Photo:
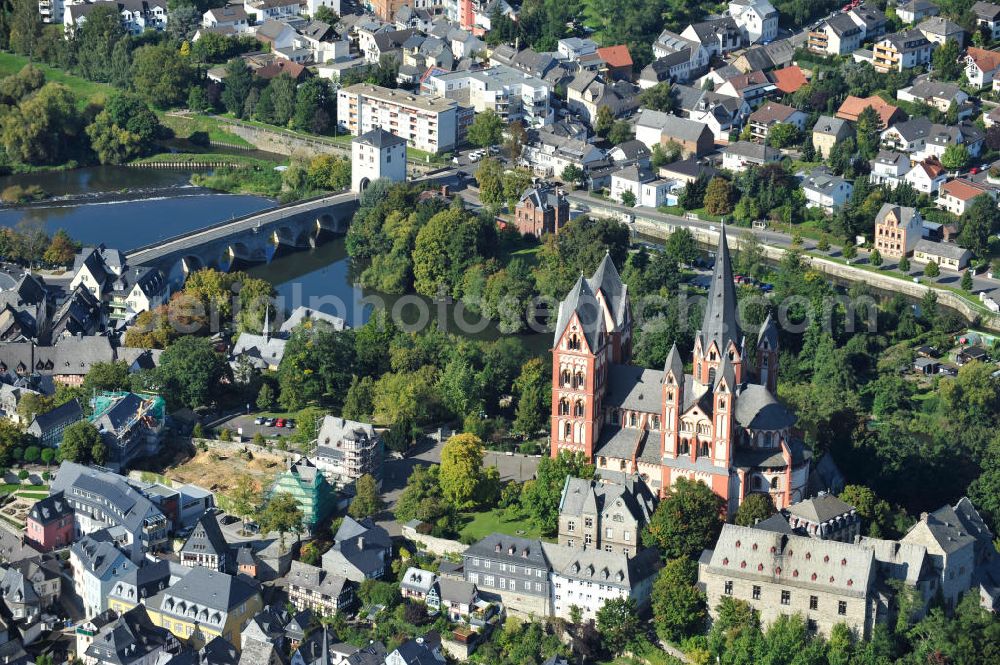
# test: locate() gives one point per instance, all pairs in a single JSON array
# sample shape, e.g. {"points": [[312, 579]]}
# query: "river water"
{"points": [[321, 278]]}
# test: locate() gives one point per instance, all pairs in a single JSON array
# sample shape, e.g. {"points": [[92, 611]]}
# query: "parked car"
{"points": [[269, 422], [259, 420], [280, 423]]}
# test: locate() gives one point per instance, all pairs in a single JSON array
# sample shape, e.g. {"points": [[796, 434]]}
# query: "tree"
{"points": [[160, 74], [659, 97], [850, 250], [678, 605], [265, 397], [184, 22], [244, 498], [875, 258], [190, 371], [330, 172], [967, 280], [782, 135], [95, 41], [489, 177], [719, 197], [43, 128], [979, 222], [757, 506], [868, 133], [572, 175], [315, 106], [932, 270], [461, 470], [687, 521], [367, 501], [281, 514], [61, 249], [81, 443], [904, 263], [681, 246], [107, 376], [604, 121], [874, 511], [237, 86], [540, 496], [48, 456], [25, 27], [619, 625], [945, 60], [533, 391], [326, 15], [955, 156], [621, 132], [628, 198], [124, 130], [486, 130]]}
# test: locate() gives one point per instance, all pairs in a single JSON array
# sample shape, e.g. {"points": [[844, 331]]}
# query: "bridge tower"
{"points": [[377, 154]]}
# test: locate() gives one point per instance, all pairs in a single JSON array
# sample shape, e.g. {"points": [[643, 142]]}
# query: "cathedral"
{"points": [[721, 425]]}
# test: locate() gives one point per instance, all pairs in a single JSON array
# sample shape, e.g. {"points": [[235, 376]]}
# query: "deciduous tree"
{"points": [[687, 521], [367, 501], [678, 605]]}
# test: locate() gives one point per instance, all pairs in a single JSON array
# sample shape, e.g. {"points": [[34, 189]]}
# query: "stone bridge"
{"points": [[255, 238]]}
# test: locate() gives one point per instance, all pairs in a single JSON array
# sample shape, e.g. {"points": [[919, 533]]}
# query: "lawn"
{"points": [[88, 91], [480, 525], [186, 125]]}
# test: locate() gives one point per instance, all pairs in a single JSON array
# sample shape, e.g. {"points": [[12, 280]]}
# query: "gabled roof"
{"points": [[962, 189], [50, 509], [984, 59], [207, 538], [719, 324], [788, 79], [820, 509], [853, 106], [581, 301], [986, 11], [616, 56]]}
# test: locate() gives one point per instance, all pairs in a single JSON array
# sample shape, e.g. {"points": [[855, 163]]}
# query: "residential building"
{"points": [[575, 48], [549, 153], [898, 229], [758, 19], [871, 20], [307, 485], [826, 581], [739, 156], [941, 136], [678, 60], [588, 92], [901, 51], [427, 123], [96, 565], [950, 546], [129, 638], [927, 176], [916, 10], [95, 268], [48, 427], [658, 128], [541, 209], [49, 524], [100, 499], [908, 136], [588, 578], [771, 114], [513, 569], [264, 10], [825, 190], [788, 80], [130, 424], [375, 155], [935, 94], [604, 515], [322, 648], [988, 18], [206, 546], [232, 17], [135, 291], [136, 15], [417, 583], [313, 588], [649, 190], [957, 195], [717, 36], [361, 550], [982, 67], [145, 581], [947, 255], [753, 87], [837, 35], [852, 107], [347, 450], [508, 92], [455, 599], [939, 30], [424, 650], [828, 132], [650, 422], [724, 115], [264, 351]]}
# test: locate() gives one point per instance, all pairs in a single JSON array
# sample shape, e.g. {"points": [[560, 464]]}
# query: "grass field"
{"points": [[203, 158], [480, 525], [186, 125], [87, 91]]}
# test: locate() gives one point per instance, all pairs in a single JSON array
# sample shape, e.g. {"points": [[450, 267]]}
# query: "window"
{"points": [[571, 526], [486, 564], [588, 539], [578, 408], [775, 483], [631, 419], [729, 587], [568, 431], [503, 582], [786, 597], [488, 580], [588, 522], [811, 625], [813, 602], [609, 533], [563, 407], [628, 536], [756, 592], [538, 586], [842, 607]]}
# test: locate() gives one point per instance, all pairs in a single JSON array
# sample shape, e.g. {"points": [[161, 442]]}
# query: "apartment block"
{"points": [[510, 93], [429, 123]]}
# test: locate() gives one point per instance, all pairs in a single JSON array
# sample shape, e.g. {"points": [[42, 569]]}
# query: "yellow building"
{"points": [[203, 605]]}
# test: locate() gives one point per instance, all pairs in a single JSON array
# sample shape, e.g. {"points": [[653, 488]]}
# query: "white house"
{"points": [[739, 156], [981, 66], [825, 190], [957, 195], [648, 190], [96, 565], [927, 176], [263, 10], [231, 16], [889, 168], [588, 578], [988, 16], [758, 19], [376, 155]]}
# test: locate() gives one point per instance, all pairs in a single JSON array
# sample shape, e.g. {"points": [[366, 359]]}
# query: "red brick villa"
{"points": [[721, 425]]}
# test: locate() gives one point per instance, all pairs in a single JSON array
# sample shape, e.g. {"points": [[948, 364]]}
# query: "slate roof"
{"points": [[131, 506], [619, 442], [986, 11], [459, 591], [379, 138], [68, 412], [719, 324], [757, 152], [303, 314], [580, 301], [207, 538], [634, 388], [316, 579], [50, 509], [945, 249], [820, 509], [521, 551], [129, 639], [418, 579], [99, 555], [206, 590], [942, 528], [601, 567], [592, 496], [361, 543]]}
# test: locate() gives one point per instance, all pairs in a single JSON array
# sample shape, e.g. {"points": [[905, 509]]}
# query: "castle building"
{"points": [[721, 424]]}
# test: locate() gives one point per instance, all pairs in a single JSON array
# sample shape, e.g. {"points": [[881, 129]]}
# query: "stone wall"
{"points": [[436, 546], [234, 447], [657, 228]]}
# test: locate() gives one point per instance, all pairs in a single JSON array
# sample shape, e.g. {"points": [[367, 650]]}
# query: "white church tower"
{"points": [[377, 154]]}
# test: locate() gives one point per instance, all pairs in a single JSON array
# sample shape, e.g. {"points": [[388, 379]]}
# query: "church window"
{"points": [[656, 422], [764, 361], [722, 402], [568, 431], [755, 483], [631, 420], [711, 355], [566, 378], [711, 376], [574, 343], [775, 483], [769, 439], [563, 407], [578, 381], [578, 408], [685, 447], [670, 395], [703, 450]]}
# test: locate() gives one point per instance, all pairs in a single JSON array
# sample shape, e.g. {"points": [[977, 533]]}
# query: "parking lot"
{"points": [[249, 425]]}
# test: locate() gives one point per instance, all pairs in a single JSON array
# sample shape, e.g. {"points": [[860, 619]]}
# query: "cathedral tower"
{"points": [[720, 335]]}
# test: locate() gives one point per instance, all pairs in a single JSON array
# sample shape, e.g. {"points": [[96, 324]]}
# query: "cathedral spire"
{"points": [[720, 325]]}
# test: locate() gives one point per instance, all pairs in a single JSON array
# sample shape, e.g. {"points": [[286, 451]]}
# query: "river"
{"points": [[321, 278]]}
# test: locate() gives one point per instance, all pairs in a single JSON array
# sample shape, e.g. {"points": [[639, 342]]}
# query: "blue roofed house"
{"points": [[361, 550], [48, 427]]}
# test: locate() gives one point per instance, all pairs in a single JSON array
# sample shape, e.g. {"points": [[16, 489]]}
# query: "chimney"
{"points": [[361, 542]]}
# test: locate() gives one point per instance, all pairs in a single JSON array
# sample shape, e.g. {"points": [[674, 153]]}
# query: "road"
{"points": [[583, 201]]}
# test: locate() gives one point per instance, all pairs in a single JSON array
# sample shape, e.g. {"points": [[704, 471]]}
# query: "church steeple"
{"points": [[720, 335]]}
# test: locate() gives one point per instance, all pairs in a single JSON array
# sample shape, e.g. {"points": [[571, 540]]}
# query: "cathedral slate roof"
{"points": [[758, 409], [634, 388], [583, 302], [719, 324]]}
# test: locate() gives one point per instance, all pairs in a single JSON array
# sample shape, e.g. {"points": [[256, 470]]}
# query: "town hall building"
{"points": [[721, 425]]}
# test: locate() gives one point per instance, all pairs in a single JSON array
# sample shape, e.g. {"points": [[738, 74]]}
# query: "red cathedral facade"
{"points": [[721, 424]]}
